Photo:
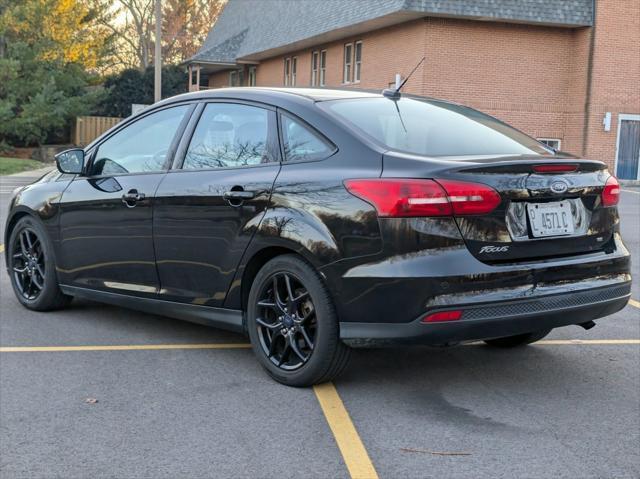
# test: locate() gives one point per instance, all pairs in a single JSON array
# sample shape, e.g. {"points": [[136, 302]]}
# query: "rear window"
{"points": [[432, 128]]}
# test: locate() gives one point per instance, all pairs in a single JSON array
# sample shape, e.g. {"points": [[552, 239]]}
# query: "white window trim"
{"points": [[552, 139], [294, 71], [347, 77], [322, 78], [357, 63], [287, 71], [315, 73], [233, 75], [621, 117]]}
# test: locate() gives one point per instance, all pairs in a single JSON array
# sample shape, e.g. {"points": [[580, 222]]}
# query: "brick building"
{"points": [[564, 71]]}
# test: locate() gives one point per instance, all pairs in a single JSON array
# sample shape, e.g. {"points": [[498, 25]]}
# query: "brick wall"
{"points": [[615, 84], [517, 73], [533, 77]]}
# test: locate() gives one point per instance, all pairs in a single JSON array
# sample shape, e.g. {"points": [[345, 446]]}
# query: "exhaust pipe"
{"points": [[588, 325]]}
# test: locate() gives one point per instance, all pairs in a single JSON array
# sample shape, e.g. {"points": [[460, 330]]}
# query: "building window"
{"points": [[348, 62], [236, 78], [552, 142], [287, 70], [290, 71], [357, 62], [323, 67], [294, 68], [252, 76], [315, 58]]}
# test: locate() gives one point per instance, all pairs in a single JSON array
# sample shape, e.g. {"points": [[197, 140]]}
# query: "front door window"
{"points": [[141, 147]]}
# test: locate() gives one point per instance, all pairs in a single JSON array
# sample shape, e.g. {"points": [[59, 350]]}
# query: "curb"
{"points": [[32, 173]]}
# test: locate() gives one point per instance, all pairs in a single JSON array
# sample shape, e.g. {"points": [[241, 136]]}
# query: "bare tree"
{"points": [[185, 25]]}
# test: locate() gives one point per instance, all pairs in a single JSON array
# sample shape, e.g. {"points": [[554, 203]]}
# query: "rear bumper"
{"points": [[493, 319]]}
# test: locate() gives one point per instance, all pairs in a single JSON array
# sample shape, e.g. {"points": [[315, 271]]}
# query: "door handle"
{"points": [[239, 195], [132, 197]]}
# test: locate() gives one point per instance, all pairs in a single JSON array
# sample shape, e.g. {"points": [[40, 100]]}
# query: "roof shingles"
{"points": [[248, 27]]}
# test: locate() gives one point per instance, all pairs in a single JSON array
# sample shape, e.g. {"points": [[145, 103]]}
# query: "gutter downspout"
{"points": [[587, 103]]}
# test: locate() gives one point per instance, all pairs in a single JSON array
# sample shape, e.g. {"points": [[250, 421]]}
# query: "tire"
{"points": [[43, 293], [518, 340], [281, 336]]}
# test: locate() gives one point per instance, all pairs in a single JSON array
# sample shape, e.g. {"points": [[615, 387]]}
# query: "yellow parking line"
{"points": [[560, 342], [353, 452], [1, 248], [156, 347], [634, 303], [587, 341], [124, 347]]}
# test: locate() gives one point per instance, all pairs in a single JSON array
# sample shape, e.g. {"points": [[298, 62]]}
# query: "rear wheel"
{"points": [[518, 340], [293, 325], [32, 267]]}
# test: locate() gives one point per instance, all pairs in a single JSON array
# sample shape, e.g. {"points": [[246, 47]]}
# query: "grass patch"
{"points": [[8, 166]]}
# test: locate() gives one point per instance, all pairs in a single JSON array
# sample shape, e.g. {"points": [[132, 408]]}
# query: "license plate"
{"points": [[550, 219]]}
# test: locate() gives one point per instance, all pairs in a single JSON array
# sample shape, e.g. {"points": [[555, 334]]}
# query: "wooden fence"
{"points": [[88, 128]]}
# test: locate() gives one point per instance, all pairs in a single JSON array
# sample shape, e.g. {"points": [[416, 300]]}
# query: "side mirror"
{"points": [[70, 161]]}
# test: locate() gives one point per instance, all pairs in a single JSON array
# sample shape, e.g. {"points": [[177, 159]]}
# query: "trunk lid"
{"points": [[565, 205]]}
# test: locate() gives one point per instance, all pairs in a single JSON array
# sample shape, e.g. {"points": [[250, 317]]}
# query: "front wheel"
{"points": [[292, 324], [518, 340], [32, 267]]}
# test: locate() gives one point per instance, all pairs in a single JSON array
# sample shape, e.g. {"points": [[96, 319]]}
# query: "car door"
{"points": [[207, 209], [106, 239]]}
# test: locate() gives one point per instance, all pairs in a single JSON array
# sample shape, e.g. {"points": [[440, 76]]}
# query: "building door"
{"points": [[628, 160]]}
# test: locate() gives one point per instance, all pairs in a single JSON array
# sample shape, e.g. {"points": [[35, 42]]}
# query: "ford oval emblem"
{"points": [[559, 187]]}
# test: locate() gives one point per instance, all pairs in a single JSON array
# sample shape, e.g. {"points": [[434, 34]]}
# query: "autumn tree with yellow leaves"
{"points": [[56, 54], [51, 52]]}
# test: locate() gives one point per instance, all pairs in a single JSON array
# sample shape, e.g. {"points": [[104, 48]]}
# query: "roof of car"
{"points": [[313, 94]]}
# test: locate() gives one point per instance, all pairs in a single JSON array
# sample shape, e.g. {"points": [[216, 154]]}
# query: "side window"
{"points": [[229, 135], [301, 143], [140, 147]]}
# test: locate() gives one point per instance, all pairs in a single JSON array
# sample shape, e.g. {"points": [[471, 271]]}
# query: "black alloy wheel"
{"points": [[32, 267], [286, 321], [27, 264], [293, 325]]}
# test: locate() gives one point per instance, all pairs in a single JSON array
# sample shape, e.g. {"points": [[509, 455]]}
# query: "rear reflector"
{"points": [[611, 192], [564, 168], [442, 316], [397, 197]]}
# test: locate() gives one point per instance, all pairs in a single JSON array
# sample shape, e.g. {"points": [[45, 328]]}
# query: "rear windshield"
{"points": [[432, 128]]}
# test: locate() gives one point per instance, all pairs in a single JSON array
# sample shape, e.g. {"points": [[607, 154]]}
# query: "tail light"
{"points": [[561, 168], [611, 192], [470, 198], [396, 197]]}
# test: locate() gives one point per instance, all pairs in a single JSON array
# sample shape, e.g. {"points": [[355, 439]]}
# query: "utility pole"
{"points": [[157, 67]]}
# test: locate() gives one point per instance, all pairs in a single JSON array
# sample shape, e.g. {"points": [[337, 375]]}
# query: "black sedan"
{"points": [[316, 220]]}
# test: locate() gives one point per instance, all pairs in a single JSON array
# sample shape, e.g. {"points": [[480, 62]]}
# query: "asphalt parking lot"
{"points": [[97, 391]]}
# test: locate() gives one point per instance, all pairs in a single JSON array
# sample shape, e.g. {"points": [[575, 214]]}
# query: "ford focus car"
{"points": [[315, 220]]}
